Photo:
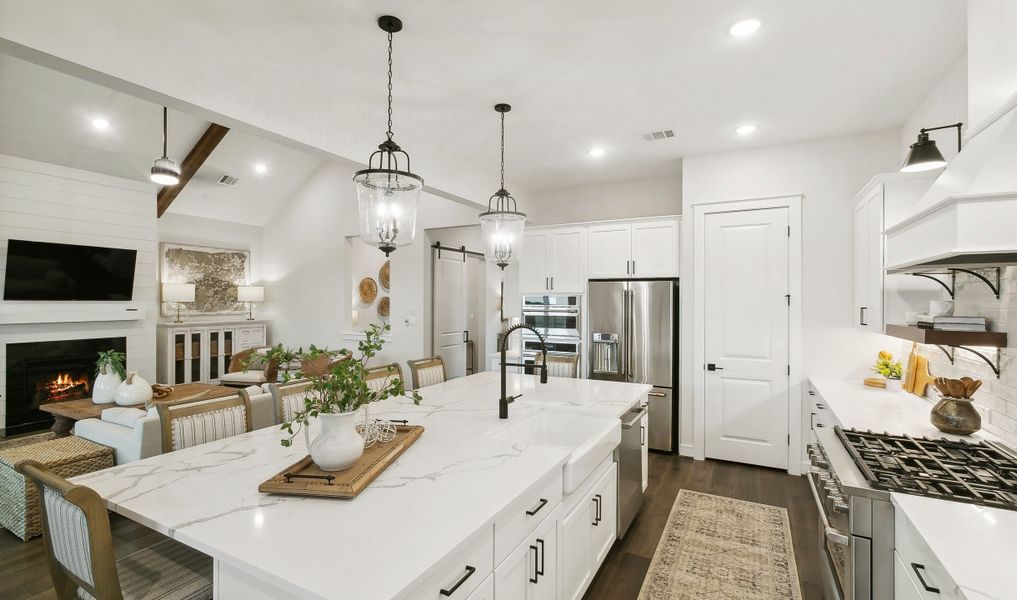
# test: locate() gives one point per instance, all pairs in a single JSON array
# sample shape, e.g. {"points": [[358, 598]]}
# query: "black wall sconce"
{"points": [[924, 155]]}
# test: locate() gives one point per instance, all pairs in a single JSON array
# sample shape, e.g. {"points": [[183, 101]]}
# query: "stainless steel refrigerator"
{"points": [[633, 337]]}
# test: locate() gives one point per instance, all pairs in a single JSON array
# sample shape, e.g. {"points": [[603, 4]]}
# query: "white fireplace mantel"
{"points": [[17, 314]]}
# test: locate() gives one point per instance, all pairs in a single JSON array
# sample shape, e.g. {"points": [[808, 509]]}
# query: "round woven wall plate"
{"points": [[384, 273], [368, 290], [383, 306]]}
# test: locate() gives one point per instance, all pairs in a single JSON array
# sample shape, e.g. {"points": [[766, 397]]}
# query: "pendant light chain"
{"points": [[502, 150], [389, 132]]}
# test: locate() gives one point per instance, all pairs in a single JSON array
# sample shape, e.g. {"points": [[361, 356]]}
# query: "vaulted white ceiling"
{"points": [[578, 74]]}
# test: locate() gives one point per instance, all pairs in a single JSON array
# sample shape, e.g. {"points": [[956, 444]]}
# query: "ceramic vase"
{"points": [[339, 445], [104, 390], [956, 415], [136, 390], [894, 385]]}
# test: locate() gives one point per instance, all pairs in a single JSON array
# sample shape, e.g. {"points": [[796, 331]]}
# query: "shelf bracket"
{"points": [[995, 288], [951, 354], [949, 288]]}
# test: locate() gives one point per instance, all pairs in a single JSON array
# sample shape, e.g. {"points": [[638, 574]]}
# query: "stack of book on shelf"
{"points": [[949, 323]]}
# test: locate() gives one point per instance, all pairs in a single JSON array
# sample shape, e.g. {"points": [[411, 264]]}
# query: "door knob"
{"points": [[713, 367]]}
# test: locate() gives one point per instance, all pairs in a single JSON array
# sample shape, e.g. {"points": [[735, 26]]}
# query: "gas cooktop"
{"points": [[978, 473]]}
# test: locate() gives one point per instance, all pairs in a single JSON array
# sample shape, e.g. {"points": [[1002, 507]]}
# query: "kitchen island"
{"points": [[449, 510]]}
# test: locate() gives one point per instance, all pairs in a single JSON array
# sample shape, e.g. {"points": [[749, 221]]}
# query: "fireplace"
{"points": [[43, 372]]}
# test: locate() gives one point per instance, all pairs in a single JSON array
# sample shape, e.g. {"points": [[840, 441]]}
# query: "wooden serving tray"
{"points": [[304, 478]]}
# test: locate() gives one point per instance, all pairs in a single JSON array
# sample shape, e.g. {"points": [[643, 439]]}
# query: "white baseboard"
{"points": [[686, 450]]}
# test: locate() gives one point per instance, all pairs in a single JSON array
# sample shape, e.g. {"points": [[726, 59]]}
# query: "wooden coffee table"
{"points": [[66, 414]]}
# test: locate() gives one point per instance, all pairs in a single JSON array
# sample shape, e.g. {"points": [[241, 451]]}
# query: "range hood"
{"points": [[968, 217]]}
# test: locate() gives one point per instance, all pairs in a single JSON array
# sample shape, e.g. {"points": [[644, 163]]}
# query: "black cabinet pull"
{"points": [[600, 503], [928, 588], [861, 316], [536, 570], [596, 511], [713, 367], [543, 503], [469, 572], [540, 571]]}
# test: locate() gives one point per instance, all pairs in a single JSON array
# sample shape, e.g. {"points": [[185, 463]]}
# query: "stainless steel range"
{"points": [[853, 473]]}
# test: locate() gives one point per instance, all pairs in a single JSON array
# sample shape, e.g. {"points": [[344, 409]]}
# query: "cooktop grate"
{"points": [[978, 473]]}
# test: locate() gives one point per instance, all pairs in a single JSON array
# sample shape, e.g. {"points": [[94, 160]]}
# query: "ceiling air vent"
{"points": [[659, 135], [227, 179]]}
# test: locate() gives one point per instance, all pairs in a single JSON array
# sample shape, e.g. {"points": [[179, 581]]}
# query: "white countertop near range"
{"points": [[449, 485], [976, 545]]}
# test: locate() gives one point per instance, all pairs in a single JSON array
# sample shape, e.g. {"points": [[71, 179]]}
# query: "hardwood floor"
{"points": [[625, 567], [24, 572]]}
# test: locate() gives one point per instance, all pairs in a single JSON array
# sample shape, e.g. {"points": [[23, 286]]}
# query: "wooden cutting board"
{"points": [[923, 378]]}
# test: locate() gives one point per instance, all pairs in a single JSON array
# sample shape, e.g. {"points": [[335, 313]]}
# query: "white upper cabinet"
{"points": [[868, 234], [634, 249], [553, 261]]}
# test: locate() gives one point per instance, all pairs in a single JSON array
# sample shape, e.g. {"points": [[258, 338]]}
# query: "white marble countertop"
{"points": [[976, 545], [450, 484]]}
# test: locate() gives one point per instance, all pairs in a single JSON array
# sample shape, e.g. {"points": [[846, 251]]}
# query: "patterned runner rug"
{"points": [[722, 548]]}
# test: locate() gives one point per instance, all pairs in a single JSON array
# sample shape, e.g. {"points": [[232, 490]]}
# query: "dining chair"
{"points": [[427, 371], [288, 398], [199, 421], [379, 377], [79, 549], [559, 365]]}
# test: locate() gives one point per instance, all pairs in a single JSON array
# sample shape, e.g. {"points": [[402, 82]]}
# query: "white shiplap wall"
{"points": [[51, 203]]}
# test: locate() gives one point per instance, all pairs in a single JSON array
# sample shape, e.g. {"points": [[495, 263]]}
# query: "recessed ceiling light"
{"points": [[260, 168], [597, 152], [745, 27], [100, 124], [745, 129]]}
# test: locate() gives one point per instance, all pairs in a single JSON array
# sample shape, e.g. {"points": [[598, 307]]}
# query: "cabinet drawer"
{"points": [[513, 524], [921, 565], [485, 591], [464, 571]]}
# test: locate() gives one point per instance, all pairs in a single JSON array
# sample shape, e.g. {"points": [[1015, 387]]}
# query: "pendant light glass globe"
{"points": [[164, 170], [387, 191], [502, 225]]}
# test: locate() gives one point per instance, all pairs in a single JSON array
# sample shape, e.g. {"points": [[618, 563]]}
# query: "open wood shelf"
{"points": [[995, 339]]}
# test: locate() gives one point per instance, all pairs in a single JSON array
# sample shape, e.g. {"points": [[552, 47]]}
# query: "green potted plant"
{"points": [[109, 373], [890, 369], [335, 398]]}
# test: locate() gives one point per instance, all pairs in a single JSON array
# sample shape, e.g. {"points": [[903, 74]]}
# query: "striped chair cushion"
{"points": [[378, 383], [291, 403], [557, 368], [68, 532], [430, 375], [166, 571], [201, 428]]}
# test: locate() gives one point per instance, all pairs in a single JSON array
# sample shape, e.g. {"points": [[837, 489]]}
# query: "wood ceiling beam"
{"points": [[195, 158]]}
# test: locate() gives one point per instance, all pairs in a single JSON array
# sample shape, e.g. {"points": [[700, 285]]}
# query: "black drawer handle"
{"points": [[540, 571], [469, 572], [543, 503], [596, 512], [536, 569], [928, 588]]}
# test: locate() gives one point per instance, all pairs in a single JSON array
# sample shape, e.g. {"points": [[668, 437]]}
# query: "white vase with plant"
{"points": [[891, 370], [336, 397], [109, 373]]}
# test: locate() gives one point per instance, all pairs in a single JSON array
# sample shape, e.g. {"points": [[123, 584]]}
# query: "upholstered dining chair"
{"points": [[379, 377], [560, 366], [199, 421], [427, 371], [250, 367], [288, 398], [79, 547]]}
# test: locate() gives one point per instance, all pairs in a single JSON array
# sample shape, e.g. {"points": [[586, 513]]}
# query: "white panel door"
{"points": [[655, 249], [566, 267], [746, 336], [450, 311], [861, 259], [533, 275], [605, 522], [610, 250], [575, 550], [874, 268]]}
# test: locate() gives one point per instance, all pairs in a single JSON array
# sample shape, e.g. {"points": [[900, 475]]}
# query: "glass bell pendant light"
{"points": [[164, 170], [502, 224], [387, 191]]}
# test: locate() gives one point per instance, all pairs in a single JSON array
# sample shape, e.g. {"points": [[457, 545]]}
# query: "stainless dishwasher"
{"points": [[630, 469]]}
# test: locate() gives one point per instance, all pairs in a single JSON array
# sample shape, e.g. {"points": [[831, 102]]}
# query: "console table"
{"points": [[200, 351]]}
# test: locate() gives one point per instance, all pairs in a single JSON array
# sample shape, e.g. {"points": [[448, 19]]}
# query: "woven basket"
{"points": [[66, 457]]}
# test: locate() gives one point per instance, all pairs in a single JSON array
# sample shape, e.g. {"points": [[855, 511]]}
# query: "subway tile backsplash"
{"points": [[996, 400]]}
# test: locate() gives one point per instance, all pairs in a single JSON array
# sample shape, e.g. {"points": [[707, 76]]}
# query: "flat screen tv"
{"points": [[45, 271]]}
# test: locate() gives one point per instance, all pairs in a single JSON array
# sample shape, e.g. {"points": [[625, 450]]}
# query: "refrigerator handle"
{"points": [[629, 326], [624, 363]]}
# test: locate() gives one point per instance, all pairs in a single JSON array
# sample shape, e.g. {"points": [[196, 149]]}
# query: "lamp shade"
{"points": [[178, 292], [503, 235], [250, 293], [923, 156], [388, 208]]}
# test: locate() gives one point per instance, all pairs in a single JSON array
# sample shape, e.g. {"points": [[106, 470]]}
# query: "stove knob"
{"points": [[820, 462], [841, 506]]}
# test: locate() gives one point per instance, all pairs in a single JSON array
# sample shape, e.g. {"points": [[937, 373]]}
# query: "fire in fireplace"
{"points": [[53, 371]]}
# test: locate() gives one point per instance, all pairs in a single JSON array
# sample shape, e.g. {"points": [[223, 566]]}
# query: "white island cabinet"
{"points": [[475, 509]]}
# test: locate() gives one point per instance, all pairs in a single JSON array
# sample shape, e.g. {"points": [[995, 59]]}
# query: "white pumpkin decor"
{"points": [[104, 390], [135, 390]]}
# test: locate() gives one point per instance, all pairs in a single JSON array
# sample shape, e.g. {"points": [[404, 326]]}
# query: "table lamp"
{"points": [[178, 293], [250, 294]]}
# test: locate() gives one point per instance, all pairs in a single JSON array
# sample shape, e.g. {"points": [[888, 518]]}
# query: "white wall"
{"points": [[992, 56], [650, 197], [829, 172], [946, 103], [52, 203]]}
